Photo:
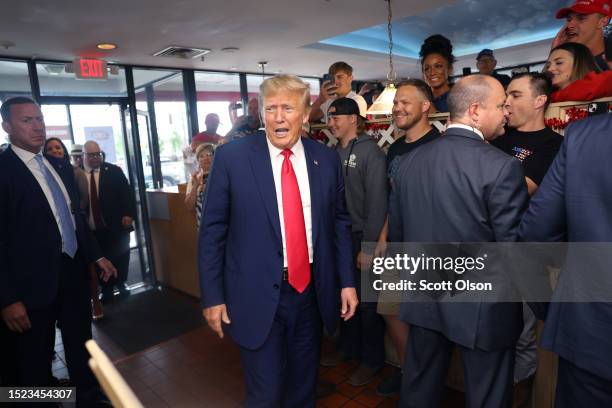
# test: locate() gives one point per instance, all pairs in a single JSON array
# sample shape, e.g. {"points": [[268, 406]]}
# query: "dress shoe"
{"points": [[390, 385], [362, 375], [324, 388]]}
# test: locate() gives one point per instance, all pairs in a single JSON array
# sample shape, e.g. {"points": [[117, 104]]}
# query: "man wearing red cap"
{"points": [[585, 20]]}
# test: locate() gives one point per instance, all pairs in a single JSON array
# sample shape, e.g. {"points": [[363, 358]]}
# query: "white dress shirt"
{"points": [[30, 162], [90, 219], [298, 161], [466, 127]]}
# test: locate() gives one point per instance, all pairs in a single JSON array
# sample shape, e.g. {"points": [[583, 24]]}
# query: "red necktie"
{"points": [[94, 203], [298, 265]]}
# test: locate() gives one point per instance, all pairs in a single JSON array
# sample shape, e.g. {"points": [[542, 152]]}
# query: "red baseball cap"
{"points": [[587, 7]]}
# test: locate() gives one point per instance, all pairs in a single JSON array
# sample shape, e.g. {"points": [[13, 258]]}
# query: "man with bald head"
{"points": [[460, 189], [111, 213]]}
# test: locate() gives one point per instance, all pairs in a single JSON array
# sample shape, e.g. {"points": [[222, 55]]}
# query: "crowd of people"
{"points": [[282, 221], [471, 183]]}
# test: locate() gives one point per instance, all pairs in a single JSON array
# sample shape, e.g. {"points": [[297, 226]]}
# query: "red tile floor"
{"points": [[197, 369]]}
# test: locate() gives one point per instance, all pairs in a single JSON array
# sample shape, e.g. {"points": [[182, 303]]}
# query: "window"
{"points": [[101, 123], [57, 123], [14, 81], [55, 81], [165, 89], [254, 81], [217, 93]]}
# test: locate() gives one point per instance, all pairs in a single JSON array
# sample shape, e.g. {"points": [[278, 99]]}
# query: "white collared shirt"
{"points": [[29, 160], [298, 161], [90, 219], [466, 127]]}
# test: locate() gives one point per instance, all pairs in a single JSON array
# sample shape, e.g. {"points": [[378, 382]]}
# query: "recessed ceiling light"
{"points": [[230, 49], [234, 68], [106, 46]]}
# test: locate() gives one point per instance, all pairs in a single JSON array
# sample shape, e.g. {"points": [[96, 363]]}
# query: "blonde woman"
{"points": [[195, 189]]}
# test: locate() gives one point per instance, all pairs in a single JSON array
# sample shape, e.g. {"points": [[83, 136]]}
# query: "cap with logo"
{"points": [[344, 106], [587, 7], [485, 53]]}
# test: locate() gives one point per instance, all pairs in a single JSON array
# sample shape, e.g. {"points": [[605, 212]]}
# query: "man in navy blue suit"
{"points": [[573, 204], [275, 254], [44, 248]]}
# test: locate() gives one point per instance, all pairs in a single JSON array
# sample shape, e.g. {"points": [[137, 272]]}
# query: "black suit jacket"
{"points": [[459, 189], [115, 197], [574, 204], [30, 241]]}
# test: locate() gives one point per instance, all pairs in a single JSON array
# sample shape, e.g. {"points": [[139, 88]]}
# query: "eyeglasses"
{"points": [[95, 154]]}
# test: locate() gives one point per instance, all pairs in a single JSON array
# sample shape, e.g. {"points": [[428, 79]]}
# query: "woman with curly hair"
{"points": [[437, 65]]}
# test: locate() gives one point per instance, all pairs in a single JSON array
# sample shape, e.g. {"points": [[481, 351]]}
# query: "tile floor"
{"points": [[197, 369]]}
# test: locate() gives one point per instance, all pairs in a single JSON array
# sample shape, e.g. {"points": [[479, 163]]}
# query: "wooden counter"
{"points": [[174, 239]]}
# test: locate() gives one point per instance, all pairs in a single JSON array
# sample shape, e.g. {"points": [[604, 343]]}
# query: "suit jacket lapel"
{"points": [[30, 181], [264, 178], [314, 179]]}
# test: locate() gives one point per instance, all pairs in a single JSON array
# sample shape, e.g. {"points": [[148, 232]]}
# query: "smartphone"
{"points": [[331, 89]]}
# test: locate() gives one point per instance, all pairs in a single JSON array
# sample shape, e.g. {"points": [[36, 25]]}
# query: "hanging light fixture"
{"points": [[384, 103]]}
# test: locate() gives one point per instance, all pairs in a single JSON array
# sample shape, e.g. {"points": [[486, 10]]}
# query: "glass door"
{"points": [[104, 124]]}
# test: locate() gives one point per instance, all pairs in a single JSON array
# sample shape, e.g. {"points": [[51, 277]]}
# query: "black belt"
{"points": [[286, 273]]}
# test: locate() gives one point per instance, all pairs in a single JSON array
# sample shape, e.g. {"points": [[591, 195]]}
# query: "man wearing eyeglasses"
{"points": [[111, 213]]}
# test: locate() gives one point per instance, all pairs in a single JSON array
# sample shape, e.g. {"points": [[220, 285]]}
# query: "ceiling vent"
{"points": [[54, 69], [175, 51]]}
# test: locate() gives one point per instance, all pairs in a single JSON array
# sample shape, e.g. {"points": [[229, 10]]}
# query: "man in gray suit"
{"points": [[460, 189]]}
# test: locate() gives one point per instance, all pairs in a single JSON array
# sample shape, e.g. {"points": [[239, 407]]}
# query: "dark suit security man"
{"points": [[573, 204], [111, 213], [458, 188], [275, 253], [44, 247]]}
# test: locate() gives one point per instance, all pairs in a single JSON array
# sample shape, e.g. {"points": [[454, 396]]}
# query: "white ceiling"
{"points": [[280, 32]]}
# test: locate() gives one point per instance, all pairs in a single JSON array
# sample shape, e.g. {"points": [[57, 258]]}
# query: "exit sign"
{"points": [[90, 68]]}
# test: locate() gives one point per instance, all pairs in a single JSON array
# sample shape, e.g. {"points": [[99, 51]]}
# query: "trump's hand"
{"points": [[16, 317], [348, 297], [214, 315], [107, 269]]}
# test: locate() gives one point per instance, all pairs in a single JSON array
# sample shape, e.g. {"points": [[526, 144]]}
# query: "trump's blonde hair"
{"points": [[284, 83]]}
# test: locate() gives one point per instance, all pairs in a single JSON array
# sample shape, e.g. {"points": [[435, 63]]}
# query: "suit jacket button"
{"points": [[276, 286]]}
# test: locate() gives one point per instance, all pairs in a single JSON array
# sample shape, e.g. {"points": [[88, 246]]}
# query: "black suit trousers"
{"points": [[25, 356], [577, 388], [115, 246], [488, 374]]}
